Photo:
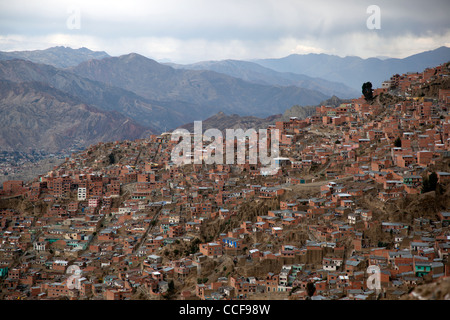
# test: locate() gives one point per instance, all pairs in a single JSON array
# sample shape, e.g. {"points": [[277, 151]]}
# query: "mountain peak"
{"points": [[59, 56], [133, 56]]}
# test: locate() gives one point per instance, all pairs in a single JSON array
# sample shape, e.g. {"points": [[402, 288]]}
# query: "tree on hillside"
{"points": [[310, 290], [430, 183], [111, 158], [367, 91]]}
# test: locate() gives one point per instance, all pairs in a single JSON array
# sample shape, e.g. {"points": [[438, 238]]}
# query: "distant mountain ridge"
{"points": [[207, 92], [354, 71], [60, 57], [256, 73]]}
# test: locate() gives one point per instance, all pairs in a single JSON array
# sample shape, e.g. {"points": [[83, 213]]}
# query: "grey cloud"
{"points": [[253, 22]]}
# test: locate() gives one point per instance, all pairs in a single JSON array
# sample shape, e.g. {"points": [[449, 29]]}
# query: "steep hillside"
{"points": [[154, 115], [37, 116]]}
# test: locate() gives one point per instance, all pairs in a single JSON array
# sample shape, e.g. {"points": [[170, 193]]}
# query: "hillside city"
{"points": [[359, 185]]}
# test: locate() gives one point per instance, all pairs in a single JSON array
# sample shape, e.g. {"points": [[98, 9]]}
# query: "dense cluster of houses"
{"points": [[121, 213]]}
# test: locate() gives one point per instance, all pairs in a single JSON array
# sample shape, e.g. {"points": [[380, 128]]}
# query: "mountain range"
{"points": [[354, 71], [60, 57], [200, 93], [61, 97], [253, 72], [105, 97], [149, 97]]}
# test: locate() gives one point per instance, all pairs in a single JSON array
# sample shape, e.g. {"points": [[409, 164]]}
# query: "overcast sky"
{"points": [[186, 31]]}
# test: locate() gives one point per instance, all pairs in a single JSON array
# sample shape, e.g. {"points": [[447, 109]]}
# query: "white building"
{"points": [[81, 194], [40, 246]]}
